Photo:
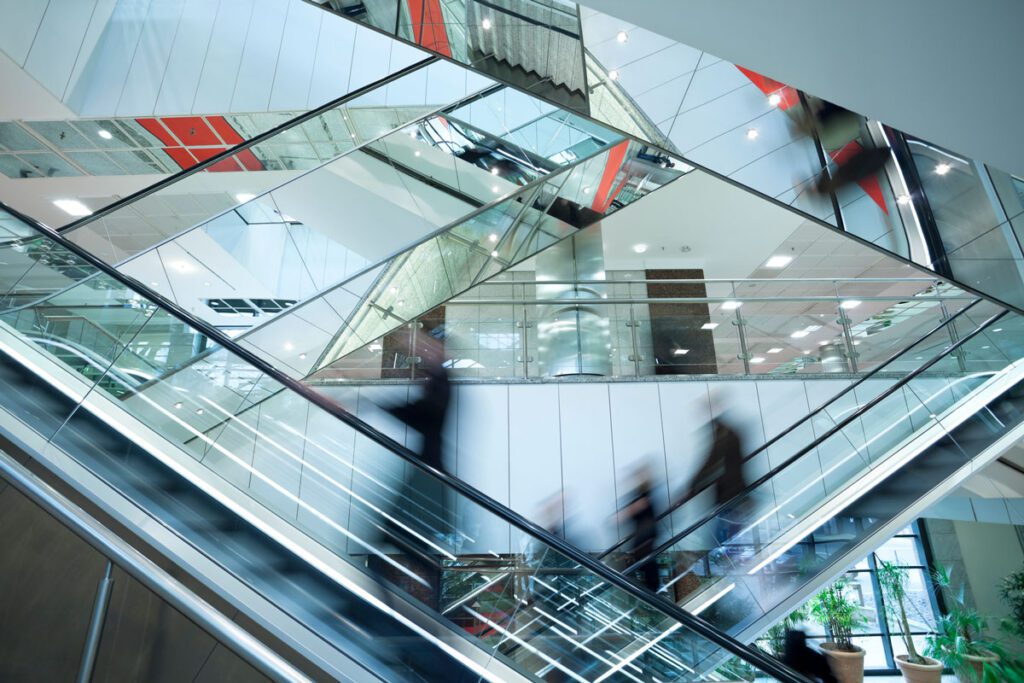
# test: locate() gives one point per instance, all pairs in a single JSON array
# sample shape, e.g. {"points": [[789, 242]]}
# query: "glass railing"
{"points": [[855, 465], [321, 483], [467, 252], [274, 159], [621, 327]]}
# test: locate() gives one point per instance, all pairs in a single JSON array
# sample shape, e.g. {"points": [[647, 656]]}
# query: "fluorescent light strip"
{"points": [[516, 639], [557, 621], [305, 465], [618, 667], [233, 505], [714, 598]]}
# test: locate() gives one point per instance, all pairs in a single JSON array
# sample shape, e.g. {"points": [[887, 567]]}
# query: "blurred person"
{"points": [[839, 131], [642, 521], [802, 659], [723, 469], [418, 521]]}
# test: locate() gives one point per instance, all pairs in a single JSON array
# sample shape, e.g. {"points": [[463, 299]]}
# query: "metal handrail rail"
{"points": [[694, 623], [760, 481], [809, 416], [148, 573], [246, 144]]}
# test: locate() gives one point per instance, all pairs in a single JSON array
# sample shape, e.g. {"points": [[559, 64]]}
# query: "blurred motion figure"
{"points": [[802, 659]]}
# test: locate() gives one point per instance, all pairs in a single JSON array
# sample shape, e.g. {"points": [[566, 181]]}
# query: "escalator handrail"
{"points": [[803, 420], [693, 623], [721, 507], [148, 573], [246, 144]]}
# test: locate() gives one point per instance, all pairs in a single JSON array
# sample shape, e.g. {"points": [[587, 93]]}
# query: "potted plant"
{"points": [[839, 615], [958, 642], [1011, 590], [914, 667]]}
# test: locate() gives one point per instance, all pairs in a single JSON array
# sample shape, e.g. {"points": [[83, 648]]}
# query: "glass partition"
{"points": [[284, 463]]}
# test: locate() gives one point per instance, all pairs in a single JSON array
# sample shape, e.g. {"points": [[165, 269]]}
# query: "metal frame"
{"points": [[693, 623], [124, 556]]}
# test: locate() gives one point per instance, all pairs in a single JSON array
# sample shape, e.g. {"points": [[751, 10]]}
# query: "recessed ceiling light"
{"points": [[806, 352], [778, 262], [622, 36], [493, 237], [998, 329], [494, 171], [586, 190], [799, 334], [731, 305], [485, 24], [178, 405], [709, 326], [206, 284], [154, 284], [105, 134], [903, 200], [613, 75], [416, 153], [757, 359], [243, 197], [775, 99], [850, 303], [680, 352], [494, 254], [943, 168], [752, 133], [822, 343], [302, 356], [856, 343], [494, 189], [375, 347], [288, 346], [639, 248], [775, 349], [199, 411], [72, 207]]}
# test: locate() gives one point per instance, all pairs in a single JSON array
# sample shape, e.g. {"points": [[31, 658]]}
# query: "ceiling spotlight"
{"points": [[757, 359], [778, 262], [586, 190], [822, 343], [493, 237], [302, 356], [105, 134], [199, 411], [485, 24], [731, 305], [943, 168], [639, 248], [206, 284], [903, 200], [613, 75], [154, 284], [680, 352], [288, 346], [775, 349], [494, 171], [178, 405], [416, 153], [72, 207], [775, 99], [494, 254], [622, 36], [709, 326], [494, 189], [752, 133], [849, 303], [243, 197]]}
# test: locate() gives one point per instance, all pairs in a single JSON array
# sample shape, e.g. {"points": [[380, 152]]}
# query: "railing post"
{"points": [[844, 321], [954, 337], [99, 615]]}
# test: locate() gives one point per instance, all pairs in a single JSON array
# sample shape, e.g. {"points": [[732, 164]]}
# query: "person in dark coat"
{"points": [[642, 520], [802, 659], [723, 468]]}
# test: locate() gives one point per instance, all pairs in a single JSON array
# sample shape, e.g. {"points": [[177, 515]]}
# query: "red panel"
{"points": [[428, 27], [249, 161], [769, 86], [154, 128], [181, 156], [870, 185], [227, 134], [224, 165], [191, 130], [605, 195]]}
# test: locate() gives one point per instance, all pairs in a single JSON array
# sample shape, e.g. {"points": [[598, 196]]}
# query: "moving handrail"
{"points": [[120, 553], [809, 416], [695, 624], [838, 427]]}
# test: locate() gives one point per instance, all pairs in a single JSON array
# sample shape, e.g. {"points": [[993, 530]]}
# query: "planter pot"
{"points": [[848, 667], [920, 673], [973, 666]]}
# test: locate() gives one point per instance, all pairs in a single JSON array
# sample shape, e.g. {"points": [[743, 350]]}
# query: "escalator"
{"points": [[373, 563], [848, 477]]}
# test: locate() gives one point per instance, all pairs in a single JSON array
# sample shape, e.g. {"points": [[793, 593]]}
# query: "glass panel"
{"points": [[292, 470]]}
